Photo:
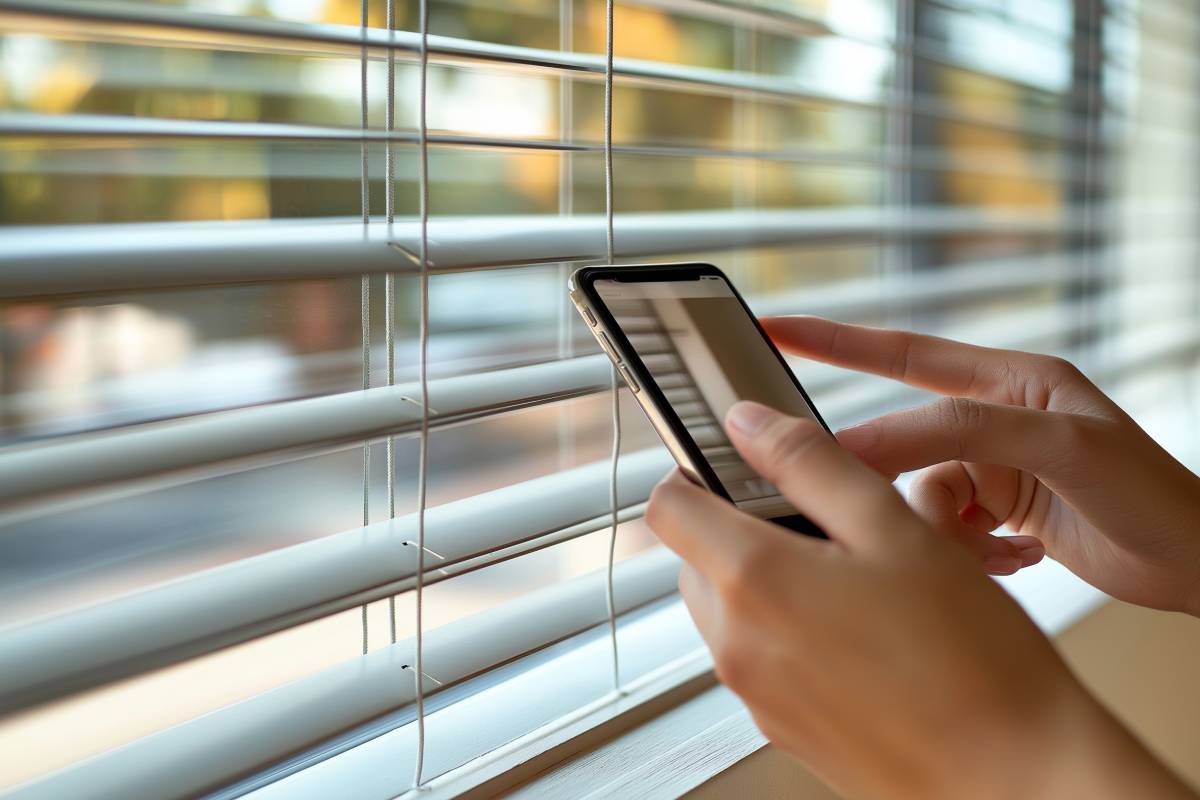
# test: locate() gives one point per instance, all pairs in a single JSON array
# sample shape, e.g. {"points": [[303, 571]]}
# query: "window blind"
{"points": [[196, 195]]}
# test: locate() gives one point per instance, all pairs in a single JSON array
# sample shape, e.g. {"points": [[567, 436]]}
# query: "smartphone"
{"points": [[688, 347]]}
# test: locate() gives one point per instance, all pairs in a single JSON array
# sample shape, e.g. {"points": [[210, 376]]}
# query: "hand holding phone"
{"points": [[689, 347]]}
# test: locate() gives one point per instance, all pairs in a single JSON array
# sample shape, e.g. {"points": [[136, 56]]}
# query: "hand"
{"points": [[884, 657], [1025, 441]]}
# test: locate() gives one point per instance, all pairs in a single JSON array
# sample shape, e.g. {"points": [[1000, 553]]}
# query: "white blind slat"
{"points": [[252, 597], [39, 261], [212, 29], [1028, 175], [212, 750], [91, 460]]}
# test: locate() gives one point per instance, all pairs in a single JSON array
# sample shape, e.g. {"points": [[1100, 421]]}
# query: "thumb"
{"points": [[827, 484]]}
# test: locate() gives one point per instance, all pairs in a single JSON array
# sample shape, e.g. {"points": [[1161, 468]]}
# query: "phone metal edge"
{"points": [[660, 424]]}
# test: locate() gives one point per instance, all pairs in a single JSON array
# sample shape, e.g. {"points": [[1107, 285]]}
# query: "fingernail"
{"points": [[860, 437], [749, 417], [1001, 565]]}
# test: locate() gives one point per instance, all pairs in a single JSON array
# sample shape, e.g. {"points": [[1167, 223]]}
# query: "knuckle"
{"points": [[944, 412], [1054, 375], [927, 490], [749, 587], [961, 414], [1059, 370], [747, 570], [900, 365]]}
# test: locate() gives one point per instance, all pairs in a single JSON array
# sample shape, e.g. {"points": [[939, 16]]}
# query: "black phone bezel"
{"points": [[584, 279]]}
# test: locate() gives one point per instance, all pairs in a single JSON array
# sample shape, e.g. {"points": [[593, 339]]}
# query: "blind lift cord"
{"points": [[365, 304], [610, 253], [423, 359], [390, 336], [389, 283]]}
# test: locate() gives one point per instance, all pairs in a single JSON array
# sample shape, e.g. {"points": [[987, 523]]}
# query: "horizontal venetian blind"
{"points": [[182, 413]]}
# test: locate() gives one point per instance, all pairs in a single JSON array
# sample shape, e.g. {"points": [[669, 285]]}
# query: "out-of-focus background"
{"points": [[1062, 132]]}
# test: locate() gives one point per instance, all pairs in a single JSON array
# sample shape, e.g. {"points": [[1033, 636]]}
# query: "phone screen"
{"points": [[705, 353]]}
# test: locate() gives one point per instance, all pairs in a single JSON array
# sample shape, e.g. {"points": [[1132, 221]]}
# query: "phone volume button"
{"points": [[606, 344], [628, 376]]}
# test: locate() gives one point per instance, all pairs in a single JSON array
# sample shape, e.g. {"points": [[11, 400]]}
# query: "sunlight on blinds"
{"points": [[291, 392]]}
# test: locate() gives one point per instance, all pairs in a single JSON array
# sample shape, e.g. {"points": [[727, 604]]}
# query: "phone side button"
{"points": [[628, 376], [606, 345], [587, 314]]}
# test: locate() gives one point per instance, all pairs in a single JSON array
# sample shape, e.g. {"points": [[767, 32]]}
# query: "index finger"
{"points": [[710, 533], [928, 362]]}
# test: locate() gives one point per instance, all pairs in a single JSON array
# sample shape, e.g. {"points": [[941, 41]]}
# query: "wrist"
{"points": [[1070, 746], [1086, 752]]}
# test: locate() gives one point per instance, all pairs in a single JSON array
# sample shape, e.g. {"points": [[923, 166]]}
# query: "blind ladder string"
{"points": [[389, 291], [566, 117], [610, 253], [365, 300], [423, 366], [1095, 13]]}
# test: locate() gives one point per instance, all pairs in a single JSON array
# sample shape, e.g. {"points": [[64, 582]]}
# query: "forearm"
{"points": [[1097, 757], [1070, 748]]}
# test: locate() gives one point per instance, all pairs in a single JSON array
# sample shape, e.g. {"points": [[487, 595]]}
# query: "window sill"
{"points": [[672, 728]]}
